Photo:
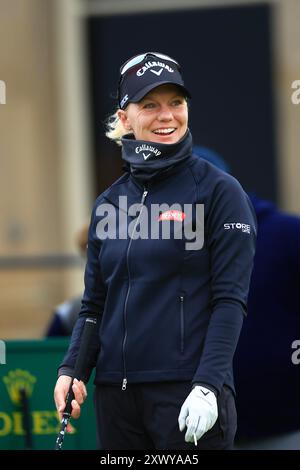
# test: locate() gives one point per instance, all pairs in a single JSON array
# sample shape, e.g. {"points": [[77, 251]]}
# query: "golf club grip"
{"points": [[85, 340]]}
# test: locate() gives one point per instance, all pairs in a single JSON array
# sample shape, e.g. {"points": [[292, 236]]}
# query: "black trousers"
{"points": [[145, 416]]}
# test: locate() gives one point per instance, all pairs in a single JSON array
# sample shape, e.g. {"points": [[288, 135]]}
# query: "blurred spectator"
{"points": [[212, 157], [267, 382], [65, 314]]}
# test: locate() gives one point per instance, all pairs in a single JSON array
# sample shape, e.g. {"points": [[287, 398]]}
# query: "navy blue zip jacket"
{"points": [[167, 313]]}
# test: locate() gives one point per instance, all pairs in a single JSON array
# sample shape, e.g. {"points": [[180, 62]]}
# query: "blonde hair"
{"points": [[115, 128]]}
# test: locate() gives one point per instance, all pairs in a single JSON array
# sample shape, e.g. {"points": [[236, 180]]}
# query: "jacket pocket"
{"points": [[182, 322]]}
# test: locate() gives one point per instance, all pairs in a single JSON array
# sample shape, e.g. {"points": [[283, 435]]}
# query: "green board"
{"points": [[32, 365]]}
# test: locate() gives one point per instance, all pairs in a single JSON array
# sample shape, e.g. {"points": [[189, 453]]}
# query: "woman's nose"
{"points": [[165, 114]]}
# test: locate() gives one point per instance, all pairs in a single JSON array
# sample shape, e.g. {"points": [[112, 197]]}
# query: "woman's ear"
{"points": [[122, 115]]}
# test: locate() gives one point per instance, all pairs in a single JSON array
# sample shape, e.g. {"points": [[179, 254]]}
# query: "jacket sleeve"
{"points": [[231, 236], [92, 305]]}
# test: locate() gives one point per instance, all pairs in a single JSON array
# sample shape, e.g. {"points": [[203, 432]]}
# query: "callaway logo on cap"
{"points": [[142, 73], [149, 65]]}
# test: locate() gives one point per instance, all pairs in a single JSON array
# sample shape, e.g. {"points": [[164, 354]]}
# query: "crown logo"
{"points": [[17, 380]]}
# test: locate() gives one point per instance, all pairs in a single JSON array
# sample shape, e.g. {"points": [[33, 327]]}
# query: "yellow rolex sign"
{"points": [[28, 417]]}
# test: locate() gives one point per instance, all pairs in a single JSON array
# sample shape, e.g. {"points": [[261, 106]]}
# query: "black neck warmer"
{"points": [[149, 159]]}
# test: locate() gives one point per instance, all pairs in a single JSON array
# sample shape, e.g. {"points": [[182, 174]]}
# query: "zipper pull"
{"points": [[124, 384], [144, 196]]}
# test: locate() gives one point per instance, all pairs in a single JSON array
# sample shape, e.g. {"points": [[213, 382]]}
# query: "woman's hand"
{"points": [[198, 413], [60, 393]]}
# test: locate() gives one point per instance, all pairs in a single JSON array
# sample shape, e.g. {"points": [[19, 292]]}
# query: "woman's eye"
{"points": [[149, 105], [177, 102]]}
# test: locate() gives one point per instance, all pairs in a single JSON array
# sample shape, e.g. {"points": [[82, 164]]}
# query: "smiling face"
{"points": [[161, 116]]}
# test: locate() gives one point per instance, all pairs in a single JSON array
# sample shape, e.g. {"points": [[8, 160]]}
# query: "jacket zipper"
{"points": [[182, 323], [124, 381]]}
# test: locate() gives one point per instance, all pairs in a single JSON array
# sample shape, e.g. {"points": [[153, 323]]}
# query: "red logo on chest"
{"points": [[178, 216]]}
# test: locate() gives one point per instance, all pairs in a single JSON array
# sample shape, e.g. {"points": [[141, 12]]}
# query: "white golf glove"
{"points": [[198, 413]]}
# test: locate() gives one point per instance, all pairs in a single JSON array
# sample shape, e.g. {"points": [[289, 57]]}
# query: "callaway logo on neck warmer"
{"points": [[147, 159], [147, 150]]}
